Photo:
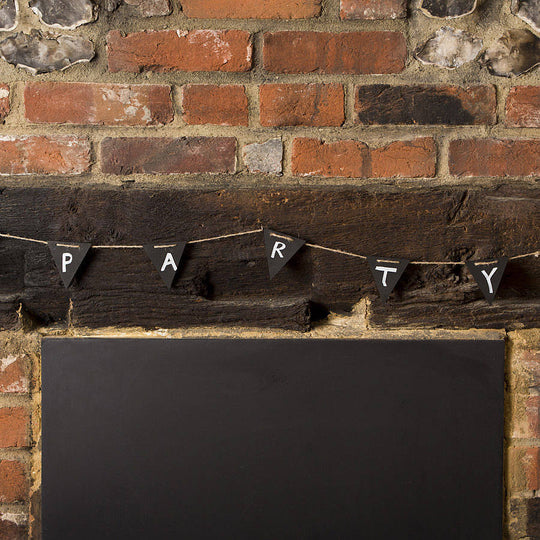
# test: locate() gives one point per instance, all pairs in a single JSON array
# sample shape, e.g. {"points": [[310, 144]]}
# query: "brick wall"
{"points": [[341, 121], [330, 79], [19, 433]]}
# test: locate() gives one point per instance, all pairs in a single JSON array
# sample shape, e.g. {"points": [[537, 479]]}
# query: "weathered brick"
{"points": [[13, 482], [526, 417], [523, 106], [59, 154], [11, 528], [425, 104], [98, 104], [4, 101], [405, 159], [13, 374], [211, 104], [302, 105], [14, 427], [493, 157], [325, 52], [312, 157], [524, 375], [524, 519], [266, 157], [524, 468], [353, 159], [252, 9], [373, 9], [180, 50], [159, 155]]}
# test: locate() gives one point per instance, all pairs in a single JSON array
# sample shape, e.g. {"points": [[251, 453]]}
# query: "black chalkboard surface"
{"points": [[272, 439]]}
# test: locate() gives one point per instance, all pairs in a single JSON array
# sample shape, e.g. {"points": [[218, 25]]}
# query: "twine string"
{"points": [[257, 231], [213, 238], [338, 251]]}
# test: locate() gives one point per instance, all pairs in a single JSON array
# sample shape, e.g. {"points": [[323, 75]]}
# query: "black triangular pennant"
{"points": [[68, 259], [488, 276], [387, 273], [280, 249], [166, 259]]}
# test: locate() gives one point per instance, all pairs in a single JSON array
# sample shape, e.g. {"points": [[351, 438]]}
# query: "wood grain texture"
{"points": [[227, 281]]}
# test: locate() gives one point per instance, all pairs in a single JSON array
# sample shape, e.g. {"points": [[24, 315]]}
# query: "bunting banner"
{"points": [[68, 259], [280, 248], [166, 259], [387, 273], [488, 276]]}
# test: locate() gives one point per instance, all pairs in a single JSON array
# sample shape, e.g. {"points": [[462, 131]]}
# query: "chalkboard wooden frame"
{"points": [[303, 439]]}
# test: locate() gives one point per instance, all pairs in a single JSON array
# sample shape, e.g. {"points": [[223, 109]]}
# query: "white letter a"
{"points": [[169, 260]]}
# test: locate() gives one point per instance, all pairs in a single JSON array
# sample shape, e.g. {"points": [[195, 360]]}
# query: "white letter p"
{"points": [[67, 258]]}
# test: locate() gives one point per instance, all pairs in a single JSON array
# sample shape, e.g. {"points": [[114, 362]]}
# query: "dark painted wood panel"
{"points": [[227, 281]]}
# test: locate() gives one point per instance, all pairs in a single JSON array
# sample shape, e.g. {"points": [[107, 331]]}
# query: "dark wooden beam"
{"points": [[227, 282]]}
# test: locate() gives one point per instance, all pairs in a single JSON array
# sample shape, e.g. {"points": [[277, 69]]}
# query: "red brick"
{"points": [[9, 530], [98, 104], [211, 104], [4, 101], [524, 468], [14, 427], [373, 9], [160, 155], [61, 154], [493, 158], [302, 105], [405, 159], [425, 104], [325, 52], [13, 375], [312, 157], [523, 106], [353, 159], [251, 9], [13, 482], [170, 50]]}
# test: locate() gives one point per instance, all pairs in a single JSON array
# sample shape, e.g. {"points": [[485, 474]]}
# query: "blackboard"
{"points": [[272, 439]]}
